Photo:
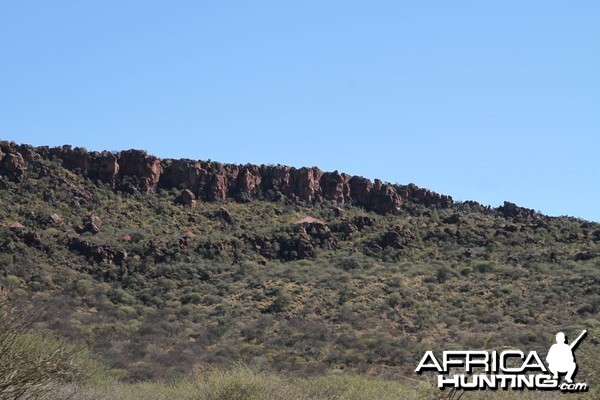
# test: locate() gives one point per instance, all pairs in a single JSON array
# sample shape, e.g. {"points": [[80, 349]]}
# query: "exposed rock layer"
{"points": [[135, 170]]}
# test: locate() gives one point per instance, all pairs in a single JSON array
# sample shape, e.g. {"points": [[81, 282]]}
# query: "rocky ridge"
{"points": [[137, 172]]}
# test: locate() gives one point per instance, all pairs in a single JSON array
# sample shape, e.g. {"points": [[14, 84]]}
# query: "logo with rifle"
{"points": [[508, 369]]}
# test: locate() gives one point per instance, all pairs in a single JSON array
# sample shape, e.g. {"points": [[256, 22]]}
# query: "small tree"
{"points": [[32, 366]]}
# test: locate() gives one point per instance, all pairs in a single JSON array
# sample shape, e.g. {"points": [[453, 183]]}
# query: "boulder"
{"points": [[224, 215], [345, 227], [187, 198], [362, 221], [452, 219], [92, 224], [55, 219], [397, 238]]}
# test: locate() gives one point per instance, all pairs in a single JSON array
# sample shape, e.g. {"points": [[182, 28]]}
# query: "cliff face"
{"points": [[136, 171]]}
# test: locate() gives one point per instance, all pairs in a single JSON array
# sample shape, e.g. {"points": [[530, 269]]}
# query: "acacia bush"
{"points": [[32, 366]]}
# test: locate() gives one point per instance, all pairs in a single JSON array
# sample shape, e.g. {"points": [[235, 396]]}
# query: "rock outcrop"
{"points": [[136, 172], [12, 162], [145, 169], [398, 237], [102, 166], [358, 223], [511, 210], [91, 223], [97, 252]]}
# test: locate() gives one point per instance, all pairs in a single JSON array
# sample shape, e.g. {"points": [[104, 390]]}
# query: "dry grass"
{"points": [[243, 383]]}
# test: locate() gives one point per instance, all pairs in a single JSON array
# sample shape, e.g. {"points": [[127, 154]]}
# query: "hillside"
{"points": [[165, 267]]}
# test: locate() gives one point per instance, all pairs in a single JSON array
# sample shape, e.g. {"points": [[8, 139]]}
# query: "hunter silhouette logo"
{"points": [[560, 357], [509, 369]]}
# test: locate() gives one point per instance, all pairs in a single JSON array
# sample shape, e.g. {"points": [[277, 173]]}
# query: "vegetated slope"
{"points": [[166, 266]]}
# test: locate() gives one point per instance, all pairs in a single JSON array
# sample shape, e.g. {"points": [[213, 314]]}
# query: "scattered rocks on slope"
{"points": [[321, 234], [452, 219], [300, 246], [338, 212], [98, 252], [585, 255], [16, 226], [55, 219], [91, 223], [345, 226], [362, 221], [32, 239], [397, 238]]}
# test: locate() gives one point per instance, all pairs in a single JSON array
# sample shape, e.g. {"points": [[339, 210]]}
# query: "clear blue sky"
{"points": [[488, 101]]}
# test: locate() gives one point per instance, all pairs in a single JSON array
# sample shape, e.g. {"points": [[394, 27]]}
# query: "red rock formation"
{"points": [[426, 197], [184, 173], [335, 186], [12, 162], [384, 198], [137, 163], [134, 170], [218, 188], [280, 179], [249, 181], [307, 184], [104, 166], [94, 165]]}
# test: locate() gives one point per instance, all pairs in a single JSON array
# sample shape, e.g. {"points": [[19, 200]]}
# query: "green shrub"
{"points": [[32, 365]]}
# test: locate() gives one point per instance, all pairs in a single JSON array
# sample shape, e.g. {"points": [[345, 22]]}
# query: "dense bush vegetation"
{"points": [[304, 299]]}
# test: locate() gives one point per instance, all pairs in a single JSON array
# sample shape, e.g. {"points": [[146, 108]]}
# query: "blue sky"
{"points": [[486, 101]]}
